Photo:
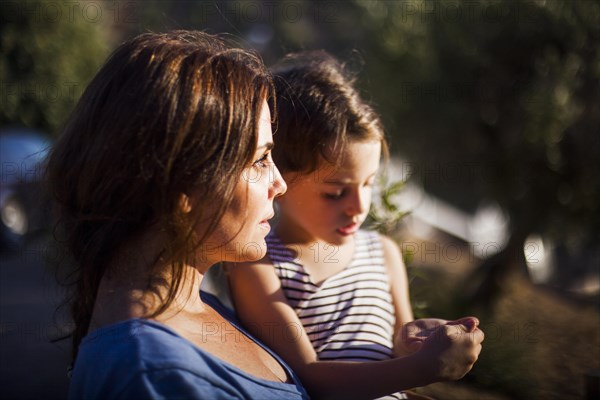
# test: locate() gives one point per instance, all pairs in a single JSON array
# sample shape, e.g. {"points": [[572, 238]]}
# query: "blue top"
{"points": [[143, 359]]}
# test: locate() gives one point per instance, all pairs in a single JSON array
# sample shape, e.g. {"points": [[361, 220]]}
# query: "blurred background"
{"points": [[492, 108]]}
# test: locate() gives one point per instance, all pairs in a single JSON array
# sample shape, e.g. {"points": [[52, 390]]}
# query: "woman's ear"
{"points": [[185, 205]]}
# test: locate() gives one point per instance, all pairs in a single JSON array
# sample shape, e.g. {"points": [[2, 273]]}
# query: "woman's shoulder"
{"points": [[124, 334], [140, 343], [138, 356]]}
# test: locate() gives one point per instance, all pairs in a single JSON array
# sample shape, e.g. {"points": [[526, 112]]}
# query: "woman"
{"points": [[159, 174]]}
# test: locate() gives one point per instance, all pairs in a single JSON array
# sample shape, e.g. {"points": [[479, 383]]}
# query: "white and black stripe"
{"points": [[350, 316]]}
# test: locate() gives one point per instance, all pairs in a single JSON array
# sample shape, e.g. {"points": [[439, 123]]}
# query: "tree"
{"points": [[512, 89], [49, 50]]}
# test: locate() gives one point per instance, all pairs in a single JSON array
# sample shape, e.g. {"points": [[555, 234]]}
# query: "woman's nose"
{"points": [[278, 186]]}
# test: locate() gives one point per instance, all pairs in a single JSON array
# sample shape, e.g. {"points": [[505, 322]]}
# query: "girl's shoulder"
{"points": [[388, 245], [373, 236]]}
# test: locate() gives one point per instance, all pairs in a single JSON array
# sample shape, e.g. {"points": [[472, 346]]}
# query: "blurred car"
{"points": [[23, 203]]}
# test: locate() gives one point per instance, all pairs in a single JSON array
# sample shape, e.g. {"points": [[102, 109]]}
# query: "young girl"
{"points": [[328, 290]]}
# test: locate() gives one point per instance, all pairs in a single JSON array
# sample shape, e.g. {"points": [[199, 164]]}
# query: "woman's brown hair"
{"points": [[318, 112], [167, 114]]}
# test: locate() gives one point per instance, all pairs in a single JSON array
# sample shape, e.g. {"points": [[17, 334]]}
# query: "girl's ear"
{"points": [[185, 205]]}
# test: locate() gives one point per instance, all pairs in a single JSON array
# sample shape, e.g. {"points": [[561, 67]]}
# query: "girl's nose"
{"points": [[359, 201]]}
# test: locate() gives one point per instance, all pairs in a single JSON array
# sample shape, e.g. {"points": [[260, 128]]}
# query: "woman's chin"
{"points": [[253, 251]]}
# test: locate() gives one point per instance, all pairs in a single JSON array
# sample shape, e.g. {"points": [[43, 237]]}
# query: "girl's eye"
{"points": [[334, 196]]}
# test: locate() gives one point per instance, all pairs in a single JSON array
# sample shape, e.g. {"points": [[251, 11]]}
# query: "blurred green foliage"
{"points": [[48, 57], [385, 215], [508, 90]]}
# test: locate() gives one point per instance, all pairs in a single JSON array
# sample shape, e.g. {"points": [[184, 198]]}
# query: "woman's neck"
{"points": [[138, 283]]}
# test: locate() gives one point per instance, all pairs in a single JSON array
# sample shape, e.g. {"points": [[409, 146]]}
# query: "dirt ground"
{"points": [[459, 391], [538, 345]]}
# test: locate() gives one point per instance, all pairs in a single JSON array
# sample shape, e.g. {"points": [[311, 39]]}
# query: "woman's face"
{"points": [[242, 230]]}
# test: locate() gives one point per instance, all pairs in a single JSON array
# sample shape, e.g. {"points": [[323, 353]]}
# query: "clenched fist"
{"points": [[447, 349]]}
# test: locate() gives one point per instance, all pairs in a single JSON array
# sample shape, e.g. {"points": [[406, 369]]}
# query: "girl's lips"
{"points": [[348, 229]]}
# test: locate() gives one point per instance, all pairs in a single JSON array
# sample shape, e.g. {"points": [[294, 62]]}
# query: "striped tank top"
{"points": [[350, 316]]}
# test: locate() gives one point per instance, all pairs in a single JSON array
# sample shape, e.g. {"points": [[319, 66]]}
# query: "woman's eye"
{"points": [[262, 162]]}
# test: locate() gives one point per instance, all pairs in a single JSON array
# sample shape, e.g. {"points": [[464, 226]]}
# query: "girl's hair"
{"points": [[318, 112], [167, 114]]}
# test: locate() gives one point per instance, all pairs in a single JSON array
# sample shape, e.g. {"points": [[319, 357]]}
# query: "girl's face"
{"points": [[331, 203], [242, 230]]}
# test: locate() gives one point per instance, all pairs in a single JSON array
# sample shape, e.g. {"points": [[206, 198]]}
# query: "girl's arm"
{"points": [[263, 308], [398, 286]]}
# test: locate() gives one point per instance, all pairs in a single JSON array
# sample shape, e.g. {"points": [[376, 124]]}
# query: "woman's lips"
{"points": [[265, 223], [348, 229]]}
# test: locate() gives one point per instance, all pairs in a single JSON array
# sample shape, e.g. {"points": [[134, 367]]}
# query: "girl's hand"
{"points": [[411, 336], [449, 350]]}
